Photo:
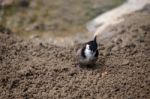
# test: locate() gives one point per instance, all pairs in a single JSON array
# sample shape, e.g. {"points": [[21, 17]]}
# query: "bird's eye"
{"points": [[87, 47]]}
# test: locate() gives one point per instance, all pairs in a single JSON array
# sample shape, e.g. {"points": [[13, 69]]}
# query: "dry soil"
{"points": [[37, 70]]}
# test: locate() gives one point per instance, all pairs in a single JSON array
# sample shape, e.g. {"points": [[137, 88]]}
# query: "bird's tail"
{"points": [[95, 38]]}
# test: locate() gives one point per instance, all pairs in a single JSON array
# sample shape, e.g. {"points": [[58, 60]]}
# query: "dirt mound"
{"points": [[29, 69]]}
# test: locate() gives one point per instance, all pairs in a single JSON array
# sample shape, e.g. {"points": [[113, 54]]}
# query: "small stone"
{"points": [[115, 48], [34, 53], [104, 73], [125, 62]]}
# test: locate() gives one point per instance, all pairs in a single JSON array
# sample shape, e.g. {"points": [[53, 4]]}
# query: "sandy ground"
{"points": [[40, 70]]}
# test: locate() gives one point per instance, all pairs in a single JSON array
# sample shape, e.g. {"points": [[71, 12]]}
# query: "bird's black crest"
{"points": [[95, 38], [93, 44]]}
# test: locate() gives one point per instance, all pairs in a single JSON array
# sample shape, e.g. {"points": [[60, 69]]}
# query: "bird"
{"points": [[87, 53]]}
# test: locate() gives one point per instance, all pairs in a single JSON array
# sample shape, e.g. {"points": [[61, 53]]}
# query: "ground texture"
{"points": [[31, 69]]}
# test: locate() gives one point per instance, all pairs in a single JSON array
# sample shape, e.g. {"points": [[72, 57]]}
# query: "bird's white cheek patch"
{"points": [[89, 54]]}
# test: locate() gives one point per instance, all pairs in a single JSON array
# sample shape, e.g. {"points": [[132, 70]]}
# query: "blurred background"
{"points": [[62, 22]]}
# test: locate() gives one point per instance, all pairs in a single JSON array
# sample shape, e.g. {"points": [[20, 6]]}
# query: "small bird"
{"points": [[87, 53]]}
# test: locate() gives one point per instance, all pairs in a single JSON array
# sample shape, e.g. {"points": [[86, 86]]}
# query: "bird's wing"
{"points": [[96, 54]]}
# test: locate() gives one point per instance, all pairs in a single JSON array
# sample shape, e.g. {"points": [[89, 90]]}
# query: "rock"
{"points": [[113, 17], [115, 48], [125, 62]]}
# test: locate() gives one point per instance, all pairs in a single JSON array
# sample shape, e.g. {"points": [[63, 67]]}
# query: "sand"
{"points": [[38, 70]]}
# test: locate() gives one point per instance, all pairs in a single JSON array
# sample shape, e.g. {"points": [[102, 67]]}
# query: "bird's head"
{"points": [[92, 45]]}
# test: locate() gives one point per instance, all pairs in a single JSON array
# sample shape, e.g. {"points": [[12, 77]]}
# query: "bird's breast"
{"points": [[89, 54]]}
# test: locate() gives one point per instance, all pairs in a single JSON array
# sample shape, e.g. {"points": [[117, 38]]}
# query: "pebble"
{"points": [[125, 62]]}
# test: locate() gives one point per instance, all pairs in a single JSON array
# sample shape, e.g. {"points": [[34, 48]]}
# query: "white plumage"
{"points": [[88, 53]]}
